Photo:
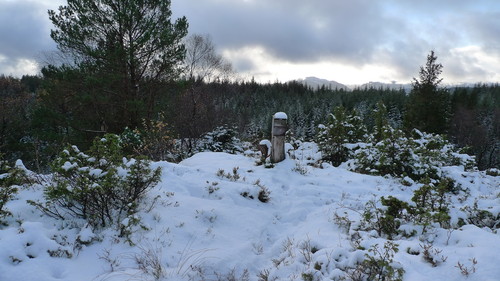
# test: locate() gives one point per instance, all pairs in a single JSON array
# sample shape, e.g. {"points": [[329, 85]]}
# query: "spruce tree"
{"points": [[428, 107]]}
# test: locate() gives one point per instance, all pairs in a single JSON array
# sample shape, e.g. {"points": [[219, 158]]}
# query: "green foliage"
{"points": [[419, 156], [379, 264], [431, 202], [342, 128], [99, 186], [16, 103], [152, 139], [480, 217], [428, 108], [221, 139], [381, 126], [88, 29], [307, 277], [125, 53], [10, 179], [387, 219], [393, 155], [429, 205]]}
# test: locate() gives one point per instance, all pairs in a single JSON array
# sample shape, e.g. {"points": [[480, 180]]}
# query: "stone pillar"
{"points": [[279, 129]]}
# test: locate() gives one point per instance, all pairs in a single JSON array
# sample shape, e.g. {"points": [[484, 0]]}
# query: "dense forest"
{"points": [[127, 68], [36, 125]]}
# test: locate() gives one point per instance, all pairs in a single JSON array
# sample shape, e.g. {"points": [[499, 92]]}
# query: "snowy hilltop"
{"points": [[219, 216], [317, 83]]}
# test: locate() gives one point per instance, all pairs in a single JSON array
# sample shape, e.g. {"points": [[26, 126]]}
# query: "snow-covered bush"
{"points": [[379, 264], [418, 156], [429, 204], [342, 128], [153, 140], [481, 217], [387, 219], [221, 139], [6, 194], [101, 186], [432, 201], [10, 179], [392, 155]]}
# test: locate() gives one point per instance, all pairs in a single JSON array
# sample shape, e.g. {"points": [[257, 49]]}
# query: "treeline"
{"points": [[128, 68], [36, 124]]}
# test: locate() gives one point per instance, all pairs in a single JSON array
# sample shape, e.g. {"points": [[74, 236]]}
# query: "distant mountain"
{"points": [[316, 82]]}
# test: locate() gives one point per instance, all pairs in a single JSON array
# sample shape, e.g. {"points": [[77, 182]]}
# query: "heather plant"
{"points": [[99, 186]]}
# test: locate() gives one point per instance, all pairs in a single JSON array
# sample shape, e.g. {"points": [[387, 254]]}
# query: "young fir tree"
{"points": [[428, 107]]}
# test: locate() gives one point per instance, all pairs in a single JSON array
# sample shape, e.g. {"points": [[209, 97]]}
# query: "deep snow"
{"points": [[202, 226]]}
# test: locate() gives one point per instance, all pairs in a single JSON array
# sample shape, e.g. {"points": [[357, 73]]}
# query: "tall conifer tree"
{"points": [[428, 107], [124, 50]]}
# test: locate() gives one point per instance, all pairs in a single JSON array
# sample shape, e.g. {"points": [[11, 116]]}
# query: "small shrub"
{"points": [[432, 202], [100, 187], [494, 172], [481, 218], [392, 155], [430, 205], [6, 194], [342, 128], [221, 139], [467, 270], [10, 179], [307, 277], [343, 222], [388, 219], [212, 187], [379, 263], [264, 275], [153, 139], [432, 255], [264, 192], [418, 156], [234, 176]]}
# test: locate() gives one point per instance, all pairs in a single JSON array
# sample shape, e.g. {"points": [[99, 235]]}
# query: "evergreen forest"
{"points": [[128, 68], [37, 123]]}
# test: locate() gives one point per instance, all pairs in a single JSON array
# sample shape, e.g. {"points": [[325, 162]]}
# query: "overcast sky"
{"points": [[349, 41]]}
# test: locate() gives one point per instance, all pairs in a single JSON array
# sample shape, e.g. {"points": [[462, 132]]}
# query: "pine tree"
{"points": [[428, 107], [124, 50]]}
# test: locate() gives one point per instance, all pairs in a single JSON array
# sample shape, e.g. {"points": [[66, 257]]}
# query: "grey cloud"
{"points": [[464, 68], [398, 33], [244, 64], [25, 29], [485, 27], [295, 30]]}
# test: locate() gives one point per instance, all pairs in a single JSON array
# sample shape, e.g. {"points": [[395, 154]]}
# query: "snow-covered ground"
{"points": [[208, 223]]}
